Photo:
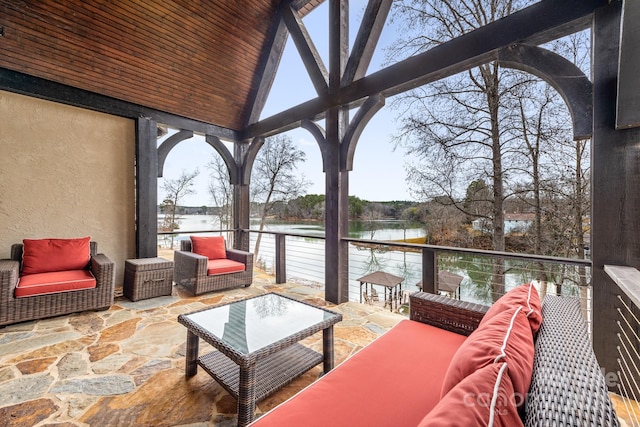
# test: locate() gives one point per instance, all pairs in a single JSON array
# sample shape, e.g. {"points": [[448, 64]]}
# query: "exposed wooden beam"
{"points": [[320, 136], [628, 105], [366, 112], [307, 50], [227, 157], [542, 22], [570, 82], [167, 145], [366, 41], [24, 84], [338, 43], [269, 67], [247, 157]]}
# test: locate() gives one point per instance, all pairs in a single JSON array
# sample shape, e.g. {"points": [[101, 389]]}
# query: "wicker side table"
{"points": [[147, 278]]}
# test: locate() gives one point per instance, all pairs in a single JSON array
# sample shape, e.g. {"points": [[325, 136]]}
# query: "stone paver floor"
{"points": [[125, 366]]}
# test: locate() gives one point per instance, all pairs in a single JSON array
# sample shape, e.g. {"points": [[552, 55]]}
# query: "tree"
{"points": [[175, 190], [356, 207], [497, 128], [454, 127], [309, 206], [221, 190], [556, 165], [477, 201], [571, 166], [274, 179]]}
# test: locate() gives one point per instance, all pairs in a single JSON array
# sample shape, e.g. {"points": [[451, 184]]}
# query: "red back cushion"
{"points": [[211, 247], [523, 295], [506, 337], [47, 255], [484, 398]]}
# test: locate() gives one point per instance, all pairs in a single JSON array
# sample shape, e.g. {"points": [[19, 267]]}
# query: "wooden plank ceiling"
{"points": [[197, 59]]}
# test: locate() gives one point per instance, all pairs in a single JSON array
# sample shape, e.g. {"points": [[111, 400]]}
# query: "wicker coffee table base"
{"points": [[252, 383], [271, 373]]}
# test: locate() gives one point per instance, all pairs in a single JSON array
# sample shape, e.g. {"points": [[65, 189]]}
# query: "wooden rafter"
{"points": [[366, 41], [561, 17], [307, 50]]}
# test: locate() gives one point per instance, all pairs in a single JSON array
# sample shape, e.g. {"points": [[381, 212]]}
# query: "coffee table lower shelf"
{"points": [[272, 373]]}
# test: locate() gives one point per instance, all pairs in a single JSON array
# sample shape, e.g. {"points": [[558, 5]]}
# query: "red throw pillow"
{"points": [[48, 255], [484, 398], [523, 295], [506, 337], [211, 247]]}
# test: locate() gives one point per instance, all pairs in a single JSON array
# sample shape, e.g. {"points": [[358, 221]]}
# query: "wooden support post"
{"points": [[281, 258], [146, 188], [336, 178], [615, 182], [241, 199], [429, 271]]}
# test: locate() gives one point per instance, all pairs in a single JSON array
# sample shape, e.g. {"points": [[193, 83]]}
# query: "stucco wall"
{"points": [[66, 172]]}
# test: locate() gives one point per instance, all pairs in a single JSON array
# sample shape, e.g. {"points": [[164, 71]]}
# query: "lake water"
{"points": [[305, 255]]}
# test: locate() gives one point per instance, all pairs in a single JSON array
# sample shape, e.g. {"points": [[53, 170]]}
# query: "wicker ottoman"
{"points": [[147, 278]]}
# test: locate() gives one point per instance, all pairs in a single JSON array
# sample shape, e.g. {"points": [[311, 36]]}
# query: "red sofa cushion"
{"points": [[54, 282], [523, 295], [47, 255], [484, 398], [211, 247], [221, 266], [506, 337], [371, 388]]}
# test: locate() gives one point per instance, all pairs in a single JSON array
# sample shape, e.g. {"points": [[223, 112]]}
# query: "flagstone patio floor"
{"points": [[125, 366]]}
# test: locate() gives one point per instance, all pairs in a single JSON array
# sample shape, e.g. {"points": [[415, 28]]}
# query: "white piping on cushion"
{"points": [[494, 398], [503, 353], [531, 310]]}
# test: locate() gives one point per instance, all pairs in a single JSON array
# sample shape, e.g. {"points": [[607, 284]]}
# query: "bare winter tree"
{"points": [[490, 125], [543, 126], [456, 128], [558, 168], [570, 162], [221, 190], [175, 190], [274, 179]]}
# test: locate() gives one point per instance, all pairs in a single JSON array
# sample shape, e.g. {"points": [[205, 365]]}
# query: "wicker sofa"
{"points": [[15, 309], [200, 274], [401, 378]]}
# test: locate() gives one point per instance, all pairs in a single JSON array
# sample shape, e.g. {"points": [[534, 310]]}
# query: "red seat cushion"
{"points": [[506, 337], [372, 388], [211, 247], [46, 255], [221, 266], [476, 401], [54, 282]]}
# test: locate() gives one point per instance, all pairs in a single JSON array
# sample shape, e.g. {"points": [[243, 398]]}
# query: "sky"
{"points": [[379, 169]]}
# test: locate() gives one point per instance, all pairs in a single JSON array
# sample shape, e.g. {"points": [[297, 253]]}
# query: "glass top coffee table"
{"points": [[257, 342]]}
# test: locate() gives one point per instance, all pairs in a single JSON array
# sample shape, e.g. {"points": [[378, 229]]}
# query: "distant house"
{"points": [[513, 223], [518, 222]]}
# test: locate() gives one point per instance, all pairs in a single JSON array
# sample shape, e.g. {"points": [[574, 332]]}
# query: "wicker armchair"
{"points": [[14, 310], [190, 271]]}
